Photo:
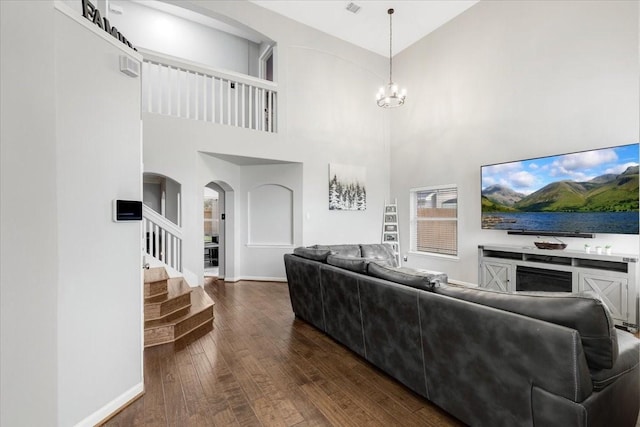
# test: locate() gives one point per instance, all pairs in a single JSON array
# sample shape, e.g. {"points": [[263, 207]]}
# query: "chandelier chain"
{"points": [[390, 11]]}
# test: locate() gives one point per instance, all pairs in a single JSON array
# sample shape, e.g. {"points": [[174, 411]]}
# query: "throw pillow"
{"points": [[379, 252], [312, 254], [347, 250], [419, 279], [359, 265]]}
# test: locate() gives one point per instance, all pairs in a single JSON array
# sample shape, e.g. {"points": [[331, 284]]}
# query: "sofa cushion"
{"points": [[357, 264], [583, 312], [379, 252], [347, 250], [420, 279], [312, 253], [628, 359]]}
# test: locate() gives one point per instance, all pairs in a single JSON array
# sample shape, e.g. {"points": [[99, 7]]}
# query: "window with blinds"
{"points": [[434, 220]]}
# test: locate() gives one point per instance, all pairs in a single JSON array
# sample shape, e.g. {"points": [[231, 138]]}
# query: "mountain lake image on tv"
{"points": [[592, 191]]}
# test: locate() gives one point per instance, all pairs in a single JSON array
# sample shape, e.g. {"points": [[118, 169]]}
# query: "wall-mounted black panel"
{"points": [[127, 210]]}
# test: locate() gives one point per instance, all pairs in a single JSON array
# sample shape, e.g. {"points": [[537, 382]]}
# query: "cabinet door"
{"points": [[496, 276], [613, 291]]}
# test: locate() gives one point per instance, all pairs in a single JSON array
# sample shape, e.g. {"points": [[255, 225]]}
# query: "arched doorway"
{"points": [[214, 230]]}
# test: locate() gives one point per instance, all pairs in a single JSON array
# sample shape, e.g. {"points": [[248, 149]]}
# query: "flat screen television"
{"points": [[581, 193]]}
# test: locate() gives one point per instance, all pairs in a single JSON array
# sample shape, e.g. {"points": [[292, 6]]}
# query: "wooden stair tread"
{"points": [[177, 298], [183, 322], [156, 274], [199, 301], [155, 283], [159, 297], [172, 309], [177, 286]]}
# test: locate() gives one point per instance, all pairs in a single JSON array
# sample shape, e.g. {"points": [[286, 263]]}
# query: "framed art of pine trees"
{"points": [[347, 188]]}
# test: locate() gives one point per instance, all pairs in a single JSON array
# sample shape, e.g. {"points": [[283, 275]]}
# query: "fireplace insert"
{"points": [[539, 279]]}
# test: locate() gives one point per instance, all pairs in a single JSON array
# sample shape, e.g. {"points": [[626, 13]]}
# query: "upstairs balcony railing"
{"points": [[179, 88]]}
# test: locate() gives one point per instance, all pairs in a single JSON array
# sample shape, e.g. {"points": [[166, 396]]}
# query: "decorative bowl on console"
{"points": [[550, 245]]}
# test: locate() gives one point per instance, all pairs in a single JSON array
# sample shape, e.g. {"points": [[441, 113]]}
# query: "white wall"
{"points": [[71, 278], [28, 216], [99, 160], [328, 114], [152, 195], [172, 190], [159, 31], [507, 81]]}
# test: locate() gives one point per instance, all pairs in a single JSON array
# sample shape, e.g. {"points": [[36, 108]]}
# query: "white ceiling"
{"points": [[369, 27]]}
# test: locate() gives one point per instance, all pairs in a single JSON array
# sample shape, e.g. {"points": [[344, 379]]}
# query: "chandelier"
{"points": [[389, 96]]}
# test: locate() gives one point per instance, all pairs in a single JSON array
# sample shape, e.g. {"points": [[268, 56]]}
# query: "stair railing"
{"points": [[162, 239], [180, 88]]}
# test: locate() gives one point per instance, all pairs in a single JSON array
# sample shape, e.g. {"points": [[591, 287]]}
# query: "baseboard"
{"points": [[103, 414], [262, 279], [254, 279]]}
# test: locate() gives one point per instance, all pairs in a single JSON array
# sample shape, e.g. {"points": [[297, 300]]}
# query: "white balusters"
{"points": [[178, 88], [162, 239]]}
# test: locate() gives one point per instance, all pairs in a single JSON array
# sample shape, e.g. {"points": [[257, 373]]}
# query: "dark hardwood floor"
{"points": [[259, 365]]}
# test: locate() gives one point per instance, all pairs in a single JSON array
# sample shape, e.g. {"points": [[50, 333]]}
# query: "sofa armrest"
{"points": [[628, 359], [303, 280]]}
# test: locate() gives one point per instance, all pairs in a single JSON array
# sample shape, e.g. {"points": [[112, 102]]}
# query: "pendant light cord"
{"points": [[390, 12]]}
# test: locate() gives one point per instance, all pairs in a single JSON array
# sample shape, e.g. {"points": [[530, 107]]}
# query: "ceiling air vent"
{"points": [[353, 8]]}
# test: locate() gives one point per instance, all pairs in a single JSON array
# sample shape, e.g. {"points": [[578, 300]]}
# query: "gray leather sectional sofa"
{"points": [[487, 358]]}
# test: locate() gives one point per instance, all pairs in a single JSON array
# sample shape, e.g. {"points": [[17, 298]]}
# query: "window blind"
{"points": [[434, 220]]}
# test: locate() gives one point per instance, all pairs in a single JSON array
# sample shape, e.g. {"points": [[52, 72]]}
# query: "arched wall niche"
{"points": [[270, 215]]}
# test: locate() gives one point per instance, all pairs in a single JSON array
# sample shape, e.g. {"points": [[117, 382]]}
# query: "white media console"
{"points": [[520, 268]]}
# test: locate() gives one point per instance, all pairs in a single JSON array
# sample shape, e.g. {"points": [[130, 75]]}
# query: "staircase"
{"points": [[173, 309]]}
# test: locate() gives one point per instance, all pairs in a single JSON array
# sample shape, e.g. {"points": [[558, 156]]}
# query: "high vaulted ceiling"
{"points": [[369, 27]]}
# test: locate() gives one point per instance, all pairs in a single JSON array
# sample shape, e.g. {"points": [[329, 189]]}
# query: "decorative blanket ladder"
{"points": [[390, 232]]}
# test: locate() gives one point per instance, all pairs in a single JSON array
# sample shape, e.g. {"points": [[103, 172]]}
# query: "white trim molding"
{"points": [[112, 407]]}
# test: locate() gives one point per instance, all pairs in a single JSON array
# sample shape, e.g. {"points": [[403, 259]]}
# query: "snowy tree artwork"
{"points": [[347, 188]]}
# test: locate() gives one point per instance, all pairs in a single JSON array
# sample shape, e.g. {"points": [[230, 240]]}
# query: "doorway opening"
{"points": [[211, 232], [213, 227]]}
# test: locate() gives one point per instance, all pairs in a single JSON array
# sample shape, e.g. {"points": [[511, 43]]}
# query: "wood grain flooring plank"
{"points": [[345, 379], [276, 396], [329, 408], [433, 416], [289, 381], [175, 404], [212, 389], [266, 413], [235, 396], [196, 403], [195, 347], [356, 413], [154, 402]]}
